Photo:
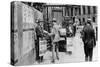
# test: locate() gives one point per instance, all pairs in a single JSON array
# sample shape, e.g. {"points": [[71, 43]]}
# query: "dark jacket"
{"points": [[88, 36], [39, 31]]}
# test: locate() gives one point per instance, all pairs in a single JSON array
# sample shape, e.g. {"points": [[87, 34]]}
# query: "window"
{"points": [[75, 11], [88, 9], [80, 11], [80, 21], [93, 19], [83, 19], [94, 9], [84, 10], [71, 11]]}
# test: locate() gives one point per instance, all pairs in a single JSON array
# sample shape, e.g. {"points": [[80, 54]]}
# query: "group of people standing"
{"points": [[54, 37], [87, 34]]}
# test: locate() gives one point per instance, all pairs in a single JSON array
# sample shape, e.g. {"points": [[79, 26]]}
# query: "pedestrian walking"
{"points": [[55, 39], [74, 28], [88, 37]]}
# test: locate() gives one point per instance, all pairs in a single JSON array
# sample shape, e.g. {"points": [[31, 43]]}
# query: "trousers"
{"points": [[55, 47], [88, 53]]}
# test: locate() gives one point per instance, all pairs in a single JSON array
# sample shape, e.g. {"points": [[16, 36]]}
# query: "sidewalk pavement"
{"points": [[76, 56]]}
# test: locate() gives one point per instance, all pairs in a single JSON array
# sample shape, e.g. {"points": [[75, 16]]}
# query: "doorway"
{"points": [[58, 16]]}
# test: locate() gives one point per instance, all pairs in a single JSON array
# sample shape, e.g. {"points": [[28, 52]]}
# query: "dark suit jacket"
{"points": [[88, 36], [39, 31]]}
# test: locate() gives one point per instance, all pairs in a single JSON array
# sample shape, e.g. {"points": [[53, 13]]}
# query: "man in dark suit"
{"points": [[88, 38], [39, 34]]}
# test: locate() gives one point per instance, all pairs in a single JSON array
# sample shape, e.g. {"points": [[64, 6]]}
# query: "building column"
{"points": [[73, 11], [86, 10], [66, 10], [81, 13], [63, 11], [81, 10], [31, 4]]}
